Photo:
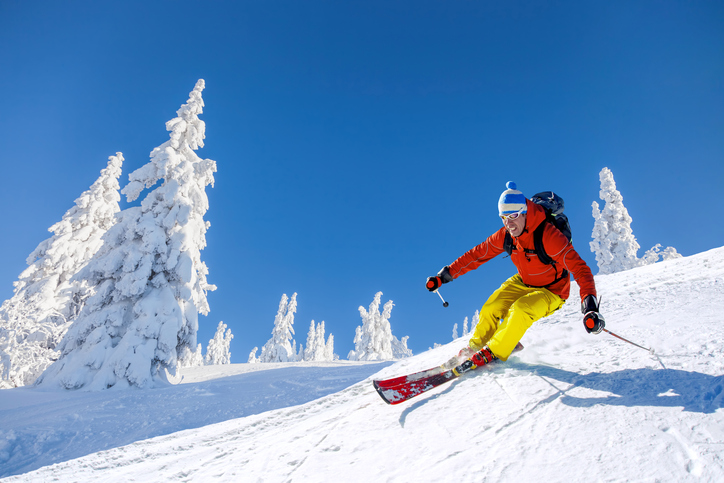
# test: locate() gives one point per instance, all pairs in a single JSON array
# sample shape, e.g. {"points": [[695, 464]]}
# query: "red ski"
{"points": [[400, 389], [415, 376], [407, 390]]}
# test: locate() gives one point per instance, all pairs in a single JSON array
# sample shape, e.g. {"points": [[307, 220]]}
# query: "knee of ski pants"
{"points": [[483, 332], [496, 309], [535, 305]]}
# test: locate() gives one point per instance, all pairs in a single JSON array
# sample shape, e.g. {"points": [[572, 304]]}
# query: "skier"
{"points": [[536, 291]]}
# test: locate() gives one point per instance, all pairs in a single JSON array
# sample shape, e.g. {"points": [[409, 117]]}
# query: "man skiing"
{"points": [[536, 291]]}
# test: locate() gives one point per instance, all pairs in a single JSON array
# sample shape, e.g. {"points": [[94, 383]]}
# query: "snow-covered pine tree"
{"points": [[473, 322], [279, 348], [468, 325], [299, 352], [399, 347], [218, 351], [373, 340], [191, 358], [329, 354], [314, 351], [253, 359], [655, 253], [150, 283], [613, 243], [46, 300], [467, 329], [317, 349]]}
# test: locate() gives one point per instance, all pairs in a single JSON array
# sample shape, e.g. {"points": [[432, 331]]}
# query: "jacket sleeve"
{"points": [[561, 250], [472, 259]]}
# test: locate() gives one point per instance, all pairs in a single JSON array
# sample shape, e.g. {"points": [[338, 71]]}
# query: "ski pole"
{"points": [[651, 351], [444, 304]]}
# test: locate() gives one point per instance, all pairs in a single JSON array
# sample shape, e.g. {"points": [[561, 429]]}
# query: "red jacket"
{"points": [[533, 272]]}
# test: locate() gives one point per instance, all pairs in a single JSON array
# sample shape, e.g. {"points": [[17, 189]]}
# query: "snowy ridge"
{"points": [[570, 407]]}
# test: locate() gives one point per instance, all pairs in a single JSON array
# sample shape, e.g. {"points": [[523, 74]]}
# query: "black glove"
{"points": [[443, 276], [592, 320]]}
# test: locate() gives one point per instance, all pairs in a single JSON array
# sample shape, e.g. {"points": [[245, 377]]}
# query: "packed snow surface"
{"points": [[569, 407]]}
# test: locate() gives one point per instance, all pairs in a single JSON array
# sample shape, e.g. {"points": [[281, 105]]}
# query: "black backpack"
{"points": [[553, 206]]}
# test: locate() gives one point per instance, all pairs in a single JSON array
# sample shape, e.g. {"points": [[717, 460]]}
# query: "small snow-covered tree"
{"points": [[468, 329], [317, 349], [613, 243], [279, 348], [253, 359], [655, 253], [373, 340], [399, 347], [218, 351], [329, 354], [46, 299], [468, 326], [191, 358], [150, 283]]}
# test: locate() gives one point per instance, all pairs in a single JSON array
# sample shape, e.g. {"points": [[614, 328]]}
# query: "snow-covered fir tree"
{"points": [[218, 351], [281, 347], [299, 352], [655, 253], [314, 349], [329, 354], [399, 347], [253, 359], [468, 326], [614, 243], [317, 349], [373, 340], [150, 283], [189, 358], [46, 299]]}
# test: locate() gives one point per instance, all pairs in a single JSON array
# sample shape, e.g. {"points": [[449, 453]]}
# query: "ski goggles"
{"points": [[512, 216]]}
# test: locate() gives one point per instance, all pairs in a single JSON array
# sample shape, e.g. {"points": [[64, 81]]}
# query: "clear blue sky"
{"points": [[362, 145]]}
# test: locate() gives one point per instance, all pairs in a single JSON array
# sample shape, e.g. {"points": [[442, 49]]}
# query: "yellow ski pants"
{"points": [[509, 312]]}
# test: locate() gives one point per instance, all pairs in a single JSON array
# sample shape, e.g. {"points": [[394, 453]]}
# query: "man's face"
{"points": [[514, 224]]}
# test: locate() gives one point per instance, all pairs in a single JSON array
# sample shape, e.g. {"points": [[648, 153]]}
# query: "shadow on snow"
{"points": [[694, 391]]}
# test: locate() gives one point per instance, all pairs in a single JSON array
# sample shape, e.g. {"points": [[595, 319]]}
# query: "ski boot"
{"points": [[480, 358], [464, 354]]}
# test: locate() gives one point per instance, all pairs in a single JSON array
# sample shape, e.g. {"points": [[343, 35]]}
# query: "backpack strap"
{"points": [[540, 252], [538, 243], [508, 244], [543, 256]]}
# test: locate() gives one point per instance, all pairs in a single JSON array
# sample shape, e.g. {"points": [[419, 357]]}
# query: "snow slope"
{"points": [[570, 407]]}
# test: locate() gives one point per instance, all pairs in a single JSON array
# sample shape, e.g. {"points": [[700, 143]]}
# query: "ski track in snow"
{"points": [[570, 407]]}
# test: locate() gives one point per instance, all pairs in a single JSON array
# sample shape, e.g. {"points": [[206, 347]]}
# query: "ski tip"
{"points": [[380, 392]]}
